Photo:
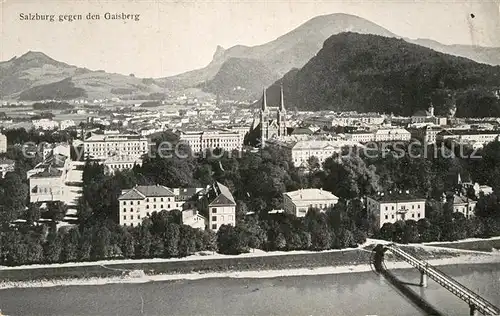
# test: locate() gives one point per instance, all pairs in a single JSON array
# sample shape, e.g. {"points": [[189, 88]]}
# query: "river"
{"points": [[363, 293]]}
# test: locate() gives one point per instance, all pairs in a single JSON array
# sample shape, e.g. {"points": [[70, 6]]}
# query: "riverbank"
{"points": [[254, 264], [139, 276]]}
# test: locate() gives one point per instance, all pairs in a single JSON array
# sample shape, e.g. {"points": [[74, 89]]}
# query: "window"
{"points": [[418, 215], [147, 206], [386, 208], [214, 218], [214, 210], [413, 207], [214, 226], [124, 202], [131, 209], [131, 216], [154, 205], [161, 199], [392, 216], [413, 215], [124, 217], [147, 214], [161, 206], [386, 216], [147, 200], [392, 208], [168, 206], [418, 206]]}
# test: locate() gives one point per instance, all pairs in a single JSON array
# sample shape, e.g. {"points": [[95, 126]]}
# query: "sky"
{"points": [[172, 37]]}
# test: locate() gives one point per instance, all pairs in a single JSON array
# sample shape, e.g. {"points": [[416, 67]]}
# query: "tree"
{"points": [[33, 213], [52, 247], [172, 238], [70, 245]]}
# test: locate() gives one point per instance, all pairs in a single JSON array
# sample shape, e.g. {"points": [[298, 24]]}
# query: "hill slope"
{"points": [[291, 50], [374, 73], [239, 78], [41, 77]]}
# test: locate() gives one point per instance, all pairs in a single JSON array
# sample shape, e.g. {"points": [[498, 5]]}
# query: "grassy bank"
{"points": [[201, 265], [476, 245]]}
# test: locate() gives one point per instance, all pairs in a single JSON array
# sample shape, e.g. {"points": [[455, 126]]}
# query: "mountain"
{"points": [[291, 50], [294, 49], [485, 55], [36, 76], [239, 78], [374, 73]]}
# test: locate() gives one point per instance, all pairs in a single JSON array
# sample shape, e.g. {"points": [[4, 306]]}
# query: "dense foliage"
{"points": [[257, 181], [374, 73], [61, 90]]}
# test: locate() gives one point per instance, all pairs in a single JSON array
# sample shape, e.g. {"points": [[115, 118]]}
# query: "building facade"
{"points": [[200, 141], [301, 151], [300, 201], [102, 146], [462, 204], [47, 180], [141, 201], [219, 206], [120, 163], [395, 207], [392, 134]]}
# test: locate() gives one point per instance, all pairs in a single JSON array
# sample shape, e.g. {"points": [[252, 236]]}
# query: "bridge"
{"points": [[476, 303]]}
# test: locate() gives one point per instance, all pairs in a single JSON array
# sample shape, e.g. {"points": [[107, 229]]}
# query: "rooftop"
{"points": [[311, 194], [48, 173], [144, 191], [397, 197]]}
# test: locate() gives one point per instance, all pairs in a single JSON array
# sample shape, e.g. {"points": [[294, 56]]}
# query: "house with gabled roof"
{"points": [[218, 206], [142, 200]]}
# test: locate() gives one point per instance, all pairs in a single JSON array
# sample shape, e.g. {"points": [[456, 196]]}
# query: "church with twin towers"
{"points": [[271, 125]]}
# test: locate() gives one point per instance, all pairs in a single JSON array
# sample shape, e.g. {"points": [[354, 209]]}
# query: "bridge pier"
{"points": [[473, 311], [423, 279]]}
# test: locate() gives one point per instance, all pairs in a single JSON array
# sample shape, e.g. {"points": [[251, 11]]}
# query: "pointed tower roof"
{"points": [[282, 99], [264, 101]]}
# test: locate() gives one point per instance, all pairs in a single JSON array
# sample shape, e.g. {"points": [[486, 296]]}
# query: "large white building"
{"points": [[464, 205], [3, 143], [300, 151], [141, 201], [395, 207], [47, 179], [210, 139], [102, 146], [477, 138], [219, 206], [392, 134], [120, 163], [300, 201], [45, 124]]}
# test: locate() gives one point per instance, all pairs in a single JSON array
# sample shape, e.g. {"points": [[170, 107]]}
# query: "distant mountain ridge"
{"points": [[295, 48], [36, 76], [374, 73], [288, 51]]}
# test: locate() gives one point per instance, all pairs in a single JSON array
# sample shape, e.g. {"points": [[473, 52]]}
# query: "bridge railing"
{"points": [[448, 282]]}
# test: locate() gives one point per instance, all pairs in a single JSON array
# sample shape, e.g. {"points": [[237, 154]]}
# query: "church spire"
{"points": [[264, 101], [282, 99]]}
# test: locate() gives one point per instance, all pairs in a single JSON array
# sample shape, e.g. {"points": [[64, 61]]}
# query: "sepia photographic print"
{"points": [[239, 157]]}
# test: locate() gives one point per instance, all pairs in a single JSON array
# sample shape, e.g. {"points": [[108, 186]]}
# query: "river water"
{"points": [[363, 293]]}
